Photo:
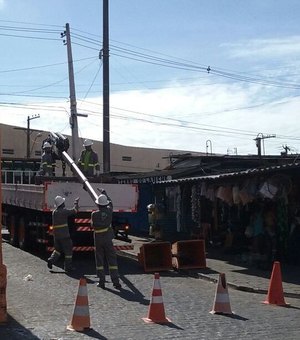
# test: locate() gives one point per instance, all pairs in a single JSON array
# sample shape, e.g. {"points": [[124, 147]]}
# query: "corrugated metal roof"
{"points": [[251, 172]]}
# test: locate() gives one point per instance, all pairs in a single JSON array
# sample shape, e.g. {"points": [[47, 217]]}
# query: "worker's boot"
{"points": [[117, 284], [101, 284], [49, 263]]}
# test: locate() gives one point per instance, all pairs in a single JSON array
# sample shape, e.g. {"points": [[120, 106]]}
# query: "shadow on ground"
{"points": [[12, 330]]}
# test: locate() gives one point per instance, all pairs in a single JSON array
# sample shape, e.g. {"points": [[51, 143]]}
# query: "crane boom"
{"points": [[62, 145]]}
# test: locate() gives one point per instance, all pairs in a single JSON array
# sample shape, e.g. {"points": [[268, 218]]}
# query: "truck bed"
{"points": [[41, 197]]}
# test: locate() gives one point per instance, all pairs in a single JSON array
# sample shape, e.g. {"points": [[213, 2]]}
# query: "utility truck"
{"points": [[27, 208]]}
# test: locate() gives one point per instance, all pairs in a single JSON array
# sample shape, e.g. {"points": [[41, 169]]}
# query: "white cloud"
{"points": [[265, 48], [182, 118]]}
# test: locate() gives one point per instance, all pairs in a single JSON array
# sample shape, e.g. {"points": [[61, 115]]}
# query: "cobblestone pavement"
{"points": [[42, 307], [238, 275]]}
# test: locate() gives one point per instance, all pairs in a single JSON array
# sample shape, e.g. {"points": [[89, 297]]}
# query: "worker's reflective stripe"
{"points": [[57, 252], [113, 267], [100, 268], [68, 256], [157, 299], [59, 226], [222, 298], [81, 310], [101, 230]]}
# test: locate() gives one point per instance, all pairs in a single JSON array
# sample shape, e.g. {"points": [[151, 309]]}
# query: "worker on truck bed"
{"points": [[47, 161], [88, 162], [101, 220], [61, 234]]}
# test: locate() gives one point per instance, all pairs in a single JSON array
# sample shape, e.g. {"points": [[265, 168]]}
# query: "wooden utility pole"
{"points": [[105, 56], [73, 104]]}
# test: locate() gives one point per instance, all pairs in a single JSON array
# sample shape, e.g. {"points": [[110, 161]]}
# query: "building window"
{"points": [[126, 158], [8, 151]]}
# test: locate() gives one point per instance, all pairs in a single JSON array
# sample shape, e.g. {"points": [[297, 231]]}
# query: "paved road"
{"points": [[239, 274], [43, 307]]}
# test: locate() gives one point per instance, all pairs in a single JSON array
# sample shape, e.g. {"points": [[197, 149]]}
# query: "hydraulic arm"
{"points": [[62, 145]]}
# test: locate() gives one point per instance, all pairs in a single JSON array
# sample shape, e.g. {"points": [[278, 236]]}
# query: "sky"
{"points": [[195, 75]]}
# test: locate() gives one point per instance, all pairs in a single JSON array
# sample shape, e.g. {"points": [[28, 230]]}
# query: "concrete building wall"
{"points": [[122, 158]]}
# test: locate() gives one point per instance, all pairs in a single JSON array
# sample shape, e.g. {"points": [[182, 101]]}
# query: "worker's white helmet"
{"points": [[46, 145], [87, 142], [102, 200], [59, 201]]}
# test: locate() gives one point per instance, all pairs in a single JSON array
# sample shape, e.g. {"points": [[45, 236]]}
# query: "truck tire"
{"points": [[22, 234], [13, 227]]}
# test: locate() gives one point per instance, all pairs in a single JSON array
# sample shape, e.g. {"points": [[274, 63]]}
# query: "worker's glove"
{"points": [[97, 173], [76, 204]]}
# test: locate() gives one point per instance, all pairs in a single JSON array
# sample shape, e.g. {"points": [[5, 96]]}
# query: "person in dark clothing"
{"points": [[88, 162], [61, 235], [47, 161], [293, 250], [101, 220]]}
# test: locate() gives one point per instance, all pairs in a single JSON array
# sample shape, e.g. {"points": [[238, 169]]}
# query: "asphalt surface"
{"points": [[40, 306]]}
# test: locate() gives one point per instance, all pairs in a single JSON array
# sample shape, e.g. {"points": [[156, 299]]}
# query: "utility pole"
{"points": [[73, 104], [261, 137], [105, 56], [29, 133]]}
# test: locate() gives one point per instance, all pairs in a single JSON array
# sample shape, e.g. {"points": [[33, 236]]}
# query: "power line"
{"points": [[158, 61], [44, 66]]}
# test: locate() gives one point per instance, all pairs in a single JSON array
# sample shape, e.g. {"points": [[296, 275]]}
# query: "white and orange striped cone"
{"points": [[156, 312], [81, 315], [221, 303]]}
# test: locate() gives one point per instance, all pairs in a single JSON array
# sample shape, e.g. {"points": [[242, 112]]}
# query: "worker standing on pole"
{"points": [[103, 235], [88, 162], [62, 240]]}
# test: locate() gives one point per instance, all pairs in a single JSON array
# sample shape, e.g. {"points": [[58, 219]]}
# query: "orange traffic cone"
{"points": [[156, 312], [275, 292], [221, 303], [81, 316]]}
